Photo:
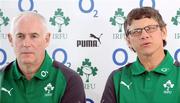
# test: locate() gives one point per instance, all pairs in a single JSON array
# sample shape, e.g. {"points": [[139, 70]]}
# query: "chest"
{"points": [[34, 91], [150, 88]]}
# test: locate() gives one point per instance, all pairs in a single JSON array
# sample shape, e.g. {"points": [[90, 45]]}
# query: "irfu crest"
{"points": [[59, 19], [3, 20], [87, 70]]}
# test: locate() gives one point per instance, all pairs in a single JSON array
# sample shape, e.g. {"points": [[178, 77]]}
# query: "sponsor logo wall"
{"points": [[88, 35]]}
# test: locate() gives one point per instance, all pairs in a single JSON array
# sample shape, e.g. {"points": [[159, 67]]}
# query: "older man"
{"points": [[33, 77]]}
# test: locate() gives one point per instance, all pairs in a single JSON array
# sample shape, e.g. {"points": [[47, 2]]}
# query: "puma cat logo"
{"points": [[95, 37], [128, 86], [5, 90]]}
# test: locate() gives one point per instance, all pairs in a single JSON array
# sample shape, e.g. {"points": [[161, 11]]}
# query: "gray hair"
{"points": [[30, 13]]}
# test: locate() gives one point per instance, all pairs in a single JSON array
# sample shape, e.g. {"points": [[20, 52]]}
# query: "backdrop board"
{"points": [[88, 34]]}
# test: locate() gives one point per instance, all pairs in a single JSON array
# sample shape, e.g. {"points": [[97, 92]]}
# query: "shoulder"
{"points": [[4, 70], [177, 63], [122, 69], [74, 89], [115, 75], [66, 71], [111, 89], [6, 67]]}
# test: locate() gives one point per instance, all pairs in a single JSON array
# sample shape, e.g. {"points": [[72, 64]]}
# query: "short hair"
{"points": [[26, 13], [144, 12]]}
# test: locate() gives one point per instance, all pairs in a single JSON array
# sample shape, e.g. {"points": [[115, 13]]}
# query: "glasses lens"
{"points": [[138, 31], [151, 28]]}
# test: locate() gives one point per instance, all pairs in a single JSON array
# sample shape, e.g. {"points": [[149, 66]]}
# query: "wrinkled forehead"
{"points": [[28, 19], [29, 14], [140, 23]]}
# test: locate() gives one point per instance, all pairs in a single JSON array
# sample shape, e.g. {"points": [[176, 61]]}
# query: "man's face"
{"points": [[146, 36], [29, 40]]}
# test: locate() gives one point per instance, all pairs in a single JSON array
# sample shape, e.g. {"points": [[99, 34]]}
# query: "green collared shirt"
{"points": [[46, 86], [134, 84]]}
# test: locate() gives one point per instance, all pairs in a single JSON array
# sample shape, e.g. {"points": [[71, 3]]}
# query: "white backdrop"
{"points": [[84, 22]]}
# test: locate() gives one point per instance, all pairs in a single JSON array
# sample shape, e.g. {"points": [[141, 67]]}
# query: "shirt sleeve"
{"points": [[109, 91], [74, 92]]}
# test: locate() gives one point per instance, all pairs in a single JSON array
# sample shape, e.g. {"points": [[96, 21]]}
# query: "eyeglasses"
{"points": [[138, 31]]}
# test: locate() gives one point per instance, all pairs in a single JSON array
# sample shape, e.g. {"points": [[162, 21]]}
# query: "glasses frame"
{"points": [[149, 29]]}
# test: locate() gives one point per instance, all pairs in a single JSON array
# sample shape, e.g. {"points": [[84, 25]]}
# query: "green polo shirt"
{"points": [[47, 85], [134, 84]]}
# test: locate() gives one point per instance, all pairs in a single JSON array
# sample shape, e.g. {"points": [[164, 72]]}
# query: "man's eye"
{"points": [[152, 28], [34, 36], [20, 36], [136, 31]]}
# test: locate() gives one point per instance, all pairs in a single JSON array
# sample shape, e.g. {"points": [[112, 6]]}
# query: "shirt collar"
{"points": [[137, 68], [16, 72], [164, 68], [42, 73], [44, 69]]}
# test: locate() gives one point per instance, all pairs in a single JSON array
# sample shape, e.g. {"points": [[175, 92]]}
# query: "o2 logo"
{"points": [[88, 10], [4, 58], [30, 7], [88, 100], [142, 1], [125, 56], [60, 50], [176, 54]]}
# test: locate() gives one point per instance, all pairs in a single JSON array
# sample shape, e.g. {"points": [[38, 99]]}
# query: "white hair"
{"points": [[26, 13]]}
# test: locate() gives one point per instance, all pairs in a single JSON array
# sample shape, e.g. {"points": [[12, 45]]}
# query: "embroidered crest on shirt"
{"points": [[6, 90], [168, 85], [164, 69], [48, 89], [44, 73], [128, 86]]}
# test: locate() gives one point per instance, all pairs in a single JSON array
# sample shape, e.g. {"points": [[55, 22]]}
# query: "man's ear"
{"points": [[164, 33], [129, 43], [47, 38], [10, 39]]}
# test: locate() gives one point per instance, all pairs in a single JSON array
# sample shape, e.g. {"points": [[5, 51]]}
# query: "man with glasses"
{"points": [[154, 77]]}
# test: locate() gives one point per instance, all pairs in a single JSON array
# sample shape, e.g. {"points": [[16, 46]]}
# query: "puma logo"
{"points": [[95, 37], [128, 86], [5, 90]]}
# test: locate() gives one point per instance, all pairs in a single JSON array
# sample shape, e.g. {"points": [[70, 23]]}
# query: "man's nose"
{"points": [[26, 42], [144, 34]]}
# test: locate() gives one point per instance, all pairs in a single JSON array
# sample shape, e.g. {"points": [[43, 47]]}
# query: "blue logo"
{"points": [[88, 100], [141, 3], [20, 5], [125, 55], [4, 56], [88, 10], [60, 50], [176, 54]]}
